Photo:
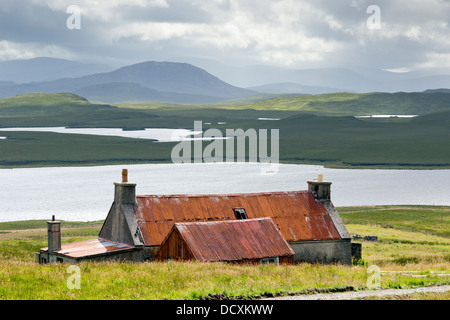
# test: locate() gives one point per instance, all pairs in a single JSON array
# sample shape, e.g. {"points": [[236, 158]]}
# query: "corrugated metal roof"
{"points": [[296, 214], [233, 240], [92, 247]]}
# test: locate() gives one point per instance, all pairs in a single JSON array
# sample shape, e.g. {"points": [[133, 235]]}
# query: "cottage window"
{"points": [[240, 213], [275, 260]]}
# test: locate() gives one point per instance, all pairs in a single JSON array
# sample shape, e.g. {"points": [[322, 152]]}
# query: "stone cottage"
{"points": [[137, 226]]}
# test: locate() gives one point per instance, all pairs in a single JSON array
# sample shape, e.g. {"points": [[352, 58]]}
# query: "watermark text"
{"points": [[236, 145]]}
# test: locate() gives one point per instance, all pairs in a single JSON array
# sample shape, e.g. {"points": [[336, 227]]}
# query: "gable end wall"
{"points": [[115, 227]]}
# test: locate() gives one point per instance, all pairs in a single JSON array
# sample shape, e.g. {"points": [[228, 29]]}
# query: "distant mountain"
{"points": [[126, 92], [261, 75], [45, 69], [170, 77], [181, 82], [7, 83], [358, 80], [437, 90], [290, 87]]}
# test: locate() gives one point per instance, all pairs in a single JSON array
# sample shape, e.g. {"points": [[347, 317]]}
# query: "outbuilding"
{"points": [[237, 241]]}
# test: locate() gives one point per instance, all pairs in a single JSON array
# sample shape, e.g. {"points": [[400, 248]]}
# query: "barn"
{"points": [[237, 241], [306, 220]]}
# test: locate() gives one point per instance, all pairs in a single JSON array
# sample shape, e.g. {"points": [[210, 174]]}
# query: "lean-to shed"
{"points": [[237, 241]]}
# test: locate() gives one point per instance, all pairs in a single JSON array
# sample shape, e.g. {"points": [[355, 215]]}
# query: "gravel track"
{"points": [[362, 294]]}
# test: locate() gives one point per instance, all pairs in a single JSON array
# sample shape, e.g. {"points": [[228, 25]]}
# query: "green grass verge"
{"points": [[429, 220]]}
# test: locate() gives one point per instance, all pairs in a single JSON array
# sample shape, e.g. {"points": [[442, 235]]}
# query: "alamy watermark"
{"points": [[374, 21], [222, 148], [374, 280], [74, 20], [74, 281]]}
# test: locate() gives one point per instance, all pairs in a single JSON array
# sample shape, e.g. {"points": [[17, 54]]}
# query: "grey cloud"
{"points": [[178, 11], [307, 33], [28, 23]]}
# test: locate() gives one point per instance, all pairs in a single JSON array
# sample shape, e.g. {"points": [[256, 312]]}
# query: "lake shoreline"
{"points": [[325, 164]]}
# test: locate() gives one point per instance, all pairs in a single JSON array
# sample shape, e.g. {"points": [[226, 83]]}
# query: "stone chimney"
{"points": [[54, 235], [125, 192], [320, 189]]}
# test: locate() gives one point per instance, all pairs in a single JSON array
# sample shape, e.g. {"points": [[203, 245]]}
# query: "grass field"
{"points": [[413, 250], [336, 104]]}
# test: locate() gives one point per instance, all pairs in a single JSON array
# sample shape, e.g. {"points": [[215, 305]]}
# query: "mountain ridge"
{"points": [[130, 92], [185, 83], [357, 79], [169, 77], [41, 69]]}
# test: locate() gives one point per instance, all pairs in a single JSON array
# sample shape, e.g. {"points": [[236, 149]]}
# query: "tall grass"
{"points": [[430, 220], [183, 280], [167, 280]]}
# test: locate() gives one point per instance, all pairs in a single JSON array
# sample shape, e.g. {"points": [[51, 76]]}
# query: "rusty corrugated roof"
{"points": [[296, 214], [92, 247], [234, 239]]}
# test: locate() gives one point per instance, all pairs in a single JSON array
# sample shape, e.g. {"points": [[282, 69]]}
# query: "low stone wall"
{"points": [[323, 251], [356, 251]]}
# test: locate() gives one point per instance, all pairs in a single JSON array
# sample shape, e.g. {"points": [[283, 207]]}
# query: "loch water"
{"points": [[86, 193]]}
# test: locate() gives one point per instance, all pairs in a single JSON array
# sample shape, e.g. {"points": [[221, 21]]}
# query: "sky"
{"points": [[400, 35]]}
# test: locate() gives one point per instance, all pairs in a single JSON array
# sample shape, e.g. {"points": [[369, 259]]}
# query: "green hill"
{"points": [[119, 92], [319, 136], [442, 117], [42, 99], [66, 109], [47, 104], [354, 104]]}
